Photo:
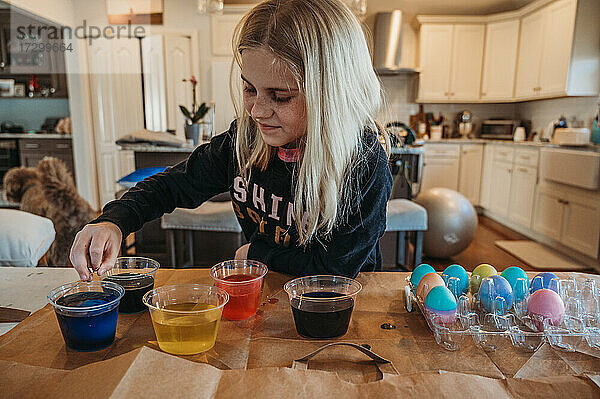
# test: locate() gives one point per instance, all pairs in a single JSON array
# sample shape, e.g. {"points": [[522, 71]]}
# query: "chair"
{"points": [[24, 238], [409, 219], [210, 216]]}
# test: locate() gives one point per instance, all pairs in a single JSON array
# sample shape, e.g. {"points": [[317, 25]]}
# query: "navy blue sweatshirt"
{"points": [[265, 207]]}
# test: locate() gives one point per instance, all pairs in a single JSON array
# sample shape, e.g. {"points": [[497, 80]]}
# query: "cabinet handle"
{"points": [[522, 170], [32, 146], [452, 93], [62, 146], [510, 171], [483, 94], [446, 93], [525, 157]]}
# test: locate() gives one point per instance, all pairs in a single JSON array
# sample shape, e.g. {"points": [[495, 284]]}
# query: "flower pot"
{"points": [[198, 132]]}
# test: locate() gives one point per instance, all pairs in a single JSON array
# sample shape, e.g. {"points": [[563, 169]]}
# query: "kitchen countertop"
{"points": [[589, 147], [34, 136], [154, 148]]}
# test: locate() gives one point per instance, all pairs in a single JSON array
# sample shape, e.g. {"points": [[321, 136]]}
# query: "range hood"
{"points": [[390, 55]]}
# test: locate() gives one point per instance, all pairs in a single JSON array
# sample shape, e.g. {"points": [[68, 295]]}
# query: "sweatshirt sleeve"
{"points": [[185, 185], [352, 245]]}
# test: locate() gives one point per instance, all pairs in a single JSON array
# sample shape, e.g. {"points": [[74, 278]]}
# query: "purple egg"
{"points": [[545, 304], [542, 280]]}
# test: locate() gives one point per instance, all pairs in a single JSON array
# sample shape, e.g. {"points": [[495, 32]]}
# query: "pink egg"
{"points": [[428, 281], [545, 304], [442, 316]]}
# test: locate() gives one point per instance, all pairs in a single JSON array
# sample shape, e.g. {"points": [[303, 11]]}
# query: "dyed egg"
{"points": [[419, 272], [441, 302], [459, 272], [482, 271], [428, 281], [493, 287], [545, 304], [542, 280], [512, 274]]}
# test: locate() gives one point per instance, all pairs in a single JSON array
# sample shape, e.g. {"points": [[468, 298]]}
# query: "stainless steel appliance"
{"points": [[499, 129]]}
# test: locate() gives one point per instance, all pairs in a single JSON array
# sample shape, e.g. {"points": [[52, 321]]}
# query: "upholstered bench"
{"points": [[409, 219], [210, 216]]}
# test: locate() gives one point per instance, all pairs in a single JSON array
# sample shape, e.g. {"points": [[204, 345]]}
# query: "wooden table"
{"points": [[270, 340]]}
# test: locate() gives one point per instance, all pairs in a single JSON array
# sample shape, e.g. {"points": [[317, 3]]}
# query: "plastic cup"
{"points": [[242, 279], [322, 305], [87, 313], [186, 317], [136, 275]]}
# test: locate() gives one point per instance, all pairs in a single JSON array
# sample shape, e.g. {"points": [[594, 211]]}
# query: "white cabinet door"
{"points": [[467, 59], [581, 224], [224, 108], [222, 27], [440, 172], [499, 66], [486, 178], [530, 54], [116, 91], [178, 61], [549, 211], [522, 195], [436, 55], [471, 162], [558, 40], [153, 58], [500, 191]]}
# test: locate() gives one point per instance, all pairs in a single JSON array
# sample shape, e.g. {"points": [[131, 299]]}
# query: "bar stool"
{"points": [[409, 219], [210, 216]]}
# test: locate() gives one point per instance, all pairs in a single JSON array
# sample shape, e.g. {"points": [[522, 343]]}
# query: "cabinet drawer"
{"points": [[527, 157], [504, 154], [45, 145], [442, 150]]}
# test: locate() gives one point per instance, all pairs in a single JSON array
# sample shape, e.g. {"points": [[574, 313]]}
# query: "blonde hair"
{"points": [[322, 43]]}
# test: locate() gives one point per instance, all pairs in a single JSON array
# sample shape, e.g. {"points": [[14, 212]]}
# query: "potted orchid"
{"points": [[196, 127]]}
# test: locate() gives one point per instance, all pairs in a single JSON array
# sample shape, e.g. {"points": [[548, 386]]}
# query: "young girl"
{"points": [[308, 178]]}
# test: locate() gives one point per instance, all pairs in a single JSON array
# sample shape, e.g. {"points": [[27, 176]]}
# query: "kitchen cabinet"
{"points": [[486, 177], [471, 162], [31, 151], [500, 60], [451, 61], [522, 195], [440, 166], [556, 56], [500, 192], [569, 215]]}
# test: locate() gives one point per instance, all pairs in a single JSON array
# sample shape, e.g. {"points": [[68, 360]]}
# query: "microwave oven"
{"points": [[499, 129]]}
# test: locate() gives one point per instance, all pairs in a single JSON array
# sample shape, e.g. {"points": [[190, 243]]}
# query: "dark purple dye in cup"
{"points": [[136, 286], [322, 319]]}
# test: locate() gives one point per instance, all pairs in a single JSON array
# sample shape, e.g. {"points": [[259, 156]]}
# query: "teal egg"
{"points": [[419, 272], [440, 299], [459, 272], [511, 274]]}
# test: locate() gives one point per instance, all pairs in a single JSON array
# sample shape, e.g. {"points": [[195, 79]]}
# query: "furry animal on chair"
{"points": [[48, 190]]}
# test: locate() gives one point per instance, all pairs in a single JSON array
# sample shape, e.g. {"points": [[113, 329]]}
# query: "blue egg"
{"points": [[512, 274], [419, 272], [459, 272], [488, 293], [440, 299], [542, 280]]}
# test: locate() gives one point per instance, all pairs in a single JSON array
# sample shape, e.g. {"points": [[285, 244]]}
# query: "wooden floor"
{"points": [[483, 249]]}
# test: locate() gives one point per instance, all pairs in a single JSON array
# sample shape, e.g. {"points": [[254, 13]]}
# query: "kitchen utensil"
{"points": [[403, 134], [519, 134]]}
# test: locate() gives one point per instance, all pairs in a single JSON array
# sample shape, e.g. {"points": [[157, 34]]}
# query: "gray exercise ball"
{"points": [[452, 222]]}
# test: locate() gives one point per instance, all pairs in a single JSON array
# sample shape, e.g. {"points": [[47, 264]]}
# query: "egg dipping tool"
{"points": [[578, 329]]}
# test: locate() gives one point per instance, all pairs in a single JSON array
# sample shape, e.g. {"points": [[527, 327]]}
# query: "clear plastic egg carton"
{"points": [[579, 328]]}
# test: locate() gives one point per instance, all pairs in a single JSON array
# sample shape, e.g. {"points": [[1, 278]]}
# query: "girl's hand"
{"points": [[96, 247], [242, 252]]}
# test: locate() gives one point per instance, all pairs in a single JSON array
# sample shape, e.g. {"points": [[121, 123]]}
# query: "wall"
{"points": [[60, 11], [544, 111], [31, 113]]}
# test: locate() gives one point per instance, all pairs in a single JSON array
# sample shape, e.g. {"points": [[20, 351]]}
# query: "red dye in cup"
{"points": [[243, 282]]}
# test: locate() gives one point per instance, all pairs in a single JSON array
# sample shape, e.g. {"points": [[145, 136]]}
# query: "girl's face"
{"points": [[272, 98]]}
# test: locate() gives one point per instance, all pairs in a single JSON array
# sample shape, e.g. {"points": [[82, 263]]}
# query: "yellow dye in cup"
{"points": [[186, 334]]}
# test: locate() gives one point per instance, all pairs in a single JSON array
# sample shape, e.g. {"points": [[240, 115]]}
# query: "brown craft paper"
{"points": [[253, 356]]}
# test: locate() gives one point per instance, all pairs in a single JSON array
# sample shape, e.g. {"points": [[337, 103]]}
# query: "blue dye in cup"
{"points": [[87, 313]]}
